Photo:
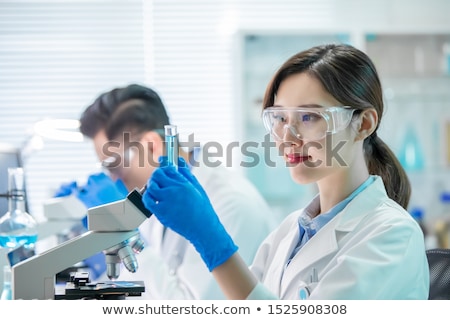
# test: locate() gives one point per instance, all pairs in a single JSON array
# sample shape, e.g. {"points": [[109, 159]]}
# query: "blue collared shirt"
{"points": [[308, 226]]}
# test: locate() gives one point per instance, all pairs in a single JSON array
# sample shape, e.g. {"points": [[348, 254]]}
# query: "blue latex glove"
{"points": [[180, 203], [101, 189], [98, 190], [66, 189]]}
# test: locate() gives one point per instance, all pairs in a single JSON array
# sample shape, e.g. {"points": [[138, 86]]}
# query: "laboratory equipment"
{"points": [[61, 220], [80, 287], [442, 224], [10, 157], [17, 227], [171, 135], [411, 155], [60, 216], [112, 229], [6, 292]]}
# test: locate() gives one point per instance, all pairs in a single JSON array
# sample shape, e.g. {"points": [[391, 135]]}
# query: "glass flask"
{"points": [[17, 227]]}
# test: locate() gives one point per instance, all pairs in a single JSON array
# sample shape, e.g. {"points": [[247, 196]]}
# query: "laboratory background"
{"points": [[210, 62]]}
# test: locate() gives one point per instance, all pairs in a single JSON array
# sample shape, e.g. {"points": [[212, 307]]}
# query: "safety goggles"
{"points": [[309, 124]]}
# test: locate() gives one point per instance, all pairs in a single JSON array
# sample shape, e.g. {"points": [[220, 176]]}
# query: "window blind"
{"points": [[55, 58]]}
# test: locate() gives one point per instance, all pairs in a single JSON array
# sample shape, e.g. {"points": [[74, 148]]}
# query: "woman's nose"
{"points": [[291, 135]]}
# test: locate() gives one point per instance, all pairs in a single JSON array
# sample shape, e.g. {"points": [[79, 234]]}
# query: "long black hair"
{"points": [[350, 76]]}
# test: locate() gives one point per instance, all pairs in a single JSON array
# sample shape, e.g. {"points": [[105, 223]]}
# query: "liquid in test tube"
{"points": [[171, 135]]}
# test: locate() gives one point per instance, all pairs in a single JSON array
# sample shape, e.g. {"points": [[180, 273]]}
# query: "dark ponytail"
{"points": [[350, 76], [382, 161]]}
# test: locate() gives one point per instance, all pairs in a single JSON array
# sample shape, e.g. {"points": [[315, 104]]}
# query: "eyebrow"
{"points": [[303, 106]]}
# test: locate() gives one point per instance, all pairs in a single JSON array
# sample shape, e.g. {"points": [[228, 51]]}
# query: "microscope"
{"points": [[112, 229]]}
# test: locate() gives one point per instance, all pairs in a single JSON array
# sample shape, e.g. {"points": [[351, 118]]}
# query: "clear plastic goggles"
{"points": [[306, 123]]}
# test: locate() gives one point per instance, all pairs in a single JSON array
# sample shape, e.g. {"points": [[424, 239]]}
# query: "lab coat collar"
{"points": [[357, 209], [324, 243]]}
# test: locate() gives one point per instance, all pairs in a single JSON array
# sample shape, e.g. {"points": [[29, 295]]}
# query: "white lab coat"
{"points": [[372, 249], [241, 209]]}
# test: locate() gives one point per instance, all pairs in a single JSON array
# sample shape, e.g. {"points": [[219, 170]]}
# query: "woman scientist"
{"points": [[354, 240]]}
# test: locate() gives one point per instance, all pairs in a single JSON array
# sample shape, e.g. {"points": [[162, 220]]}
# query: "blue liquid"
{"points": [[171, 151], [16, 241]]}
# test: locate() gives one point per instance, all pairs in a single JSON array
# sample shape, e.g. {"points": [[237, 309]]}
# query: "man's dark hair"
{"points": [[133, 108]]}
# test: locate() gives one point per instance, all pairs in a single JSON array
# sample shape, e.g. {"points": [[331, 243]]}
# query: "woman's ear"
{"points": [[368, 122]]}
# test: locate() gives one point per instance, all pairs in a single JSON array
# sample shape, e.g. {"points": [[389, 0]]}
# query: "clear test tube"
{"points": [[171, 134]]}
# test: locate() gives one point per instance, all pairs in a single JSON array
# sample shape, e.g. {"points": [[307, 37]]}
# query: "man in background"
{"points": [[126, 126]]}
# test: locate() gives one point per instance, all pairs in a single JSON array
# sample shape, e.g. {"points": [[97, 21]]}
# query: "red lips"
{"points": [[296, 158]]}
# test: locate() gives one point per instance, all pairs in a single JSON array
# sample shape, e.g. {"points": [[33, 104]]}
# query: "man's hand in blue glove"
{"points": [[99, 189], [66, 189], [179, 202]]}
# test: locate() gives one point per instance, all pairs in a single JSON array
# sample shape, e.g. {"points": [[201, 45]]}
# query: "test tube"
{"points": [[171, 135]]}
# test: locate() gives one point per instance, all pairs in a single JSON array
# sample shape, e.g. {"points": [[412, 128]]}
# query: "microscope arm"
{"points": [[109, 225], [34, 278]]}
